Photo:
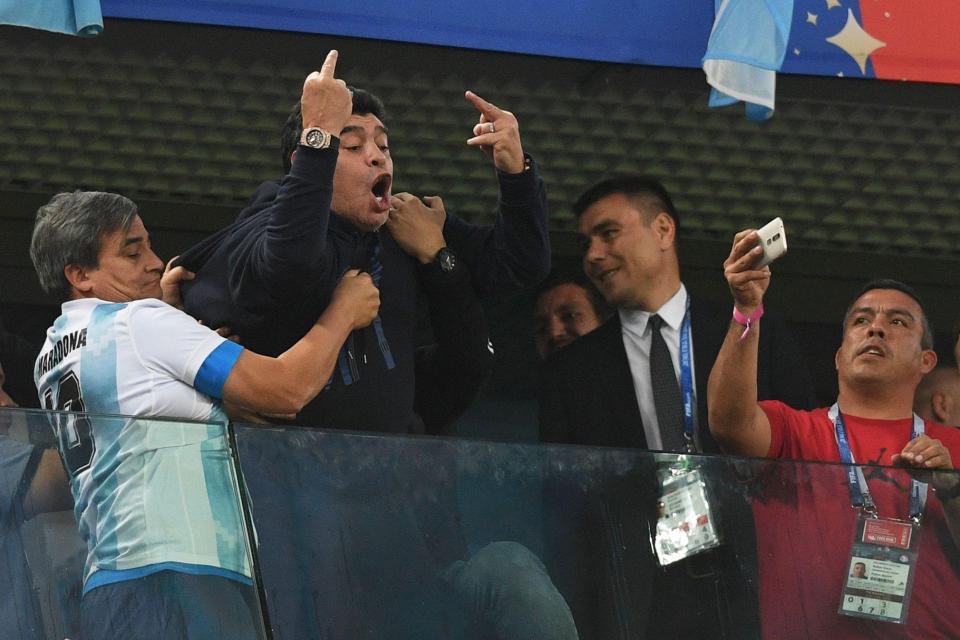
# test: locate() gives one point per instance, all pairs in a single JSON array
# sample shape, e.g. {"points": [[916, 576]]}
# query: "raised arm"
{"points": [[736, 421], [276, 247], [515, 251], [297, 227], [283, 385]]}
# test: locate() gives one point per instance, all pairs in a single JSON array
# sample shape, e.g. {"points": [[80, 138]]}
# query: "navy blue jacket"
{"points": [[270, 274]]}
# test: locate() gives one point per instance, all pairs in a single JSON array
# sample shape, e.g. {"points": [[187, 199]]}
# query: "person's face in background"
{"points": [[561, 315]]}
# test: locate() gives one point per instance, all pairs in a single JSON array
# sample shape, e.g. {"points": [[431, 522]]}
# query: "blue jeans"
{"points": [[508, 593]]}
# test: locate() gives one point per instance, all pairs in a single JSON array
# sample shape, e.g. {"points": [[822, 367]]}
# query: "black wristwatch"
{"points": [[446, 260]]}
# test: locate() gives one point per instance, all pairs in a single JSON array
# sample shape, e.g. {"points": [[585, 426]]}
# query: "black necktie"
{"points": [[666, 391]]}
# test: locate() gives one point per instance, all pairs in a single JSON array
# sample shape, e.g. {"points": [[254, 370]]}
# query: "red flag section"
{"points": [[922, 39]]}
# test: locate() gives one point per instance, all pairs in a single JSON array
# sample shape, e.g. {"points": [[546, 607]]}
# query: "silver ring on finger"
{"points": [[492, 127]]}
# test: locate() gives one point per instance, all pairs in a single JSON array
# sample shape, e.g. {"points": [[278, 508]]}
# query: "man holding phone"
{"points": [[887, 348]]}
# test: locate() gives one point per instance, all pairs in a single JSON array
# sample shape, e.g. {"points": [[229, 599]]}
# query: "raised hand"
{"points": [[498, 134], [417, 227], [747, 284], [326, 102]]}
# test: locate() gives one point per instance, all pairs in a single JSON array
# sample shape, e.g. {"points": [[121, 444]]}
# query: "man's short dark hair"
{"points": [[69, 229], [648, 194], [597, 301], [887, 283], [364, 103]]}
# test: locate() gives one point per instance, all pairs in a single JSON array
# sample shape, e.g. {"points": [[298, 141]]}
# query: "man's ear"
{"points": [[928, 361], [78, 278], [665, 229], [938, 404]]}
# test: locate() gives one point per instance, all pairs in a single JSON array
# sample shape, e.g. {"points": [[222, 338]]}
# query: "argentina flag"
{"points": [[746, 49], [74, 17]]}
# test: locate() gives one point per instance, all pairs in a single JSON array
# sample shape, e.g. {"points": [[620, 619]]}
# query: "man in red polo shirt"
{"points": [[806, 522]]}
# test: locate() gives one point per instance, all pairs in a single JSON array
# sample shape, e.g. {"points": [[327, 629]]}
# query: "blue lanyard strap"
{"points": [[347, 358], [857, 483], [687, 392], [376, 273]]}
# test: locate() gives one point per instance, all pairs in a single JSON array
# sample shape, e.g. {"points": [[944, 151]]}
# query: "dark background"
{"points": [[185, 120]]}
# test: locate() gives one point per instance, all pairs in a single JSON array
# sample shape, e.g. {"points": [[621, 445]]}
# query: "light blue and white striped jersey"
{"points": [[149, 495]]}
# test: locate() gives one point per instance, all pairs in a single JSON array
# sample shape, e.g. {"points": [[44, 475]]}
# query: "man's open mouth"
{"points": [[872, 350], [381, 191]]}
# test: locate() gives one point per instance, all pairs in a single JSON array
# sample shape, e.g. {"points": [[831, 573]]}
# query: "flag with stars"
{"points": [[888, 39]]}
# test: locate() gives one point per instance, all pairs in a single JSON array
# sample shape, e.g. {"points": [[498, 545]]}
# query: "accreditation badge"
{"points": [[685, 523], [880, 573]]}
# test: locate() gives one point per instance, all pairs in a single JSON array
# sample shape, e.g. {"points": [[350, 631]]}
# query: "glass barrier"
{"points": [[385, 537], [113, 527], [364, 536]]}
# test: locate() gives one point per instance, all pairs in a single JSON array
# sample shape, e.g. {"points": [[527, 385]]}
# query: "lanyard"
{"points": [[376, 272], [857, 483], [687, 391], [347, 358]]}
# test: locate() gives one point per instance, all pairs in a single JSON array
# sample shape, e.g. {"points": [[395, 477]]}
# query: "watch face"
{"points": [[314, 138], [448, 261]]}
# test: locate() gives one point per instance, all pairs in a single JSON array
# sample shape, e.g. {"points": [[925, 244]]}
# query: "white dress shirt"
{"points": [[636, 340]]}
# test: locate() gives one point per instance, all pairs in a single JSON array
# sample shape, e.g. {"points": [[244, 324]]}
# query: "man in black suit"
{"points": [[606, 389]]}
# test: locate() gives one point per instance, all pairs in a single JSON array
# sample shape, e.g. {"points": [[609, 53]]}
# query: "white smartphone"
{"points": [[773, 239]]}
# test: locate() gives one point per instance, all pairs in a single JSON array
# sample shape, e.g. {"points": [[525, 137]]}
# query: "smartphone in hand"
{"points": [[773, 239]]}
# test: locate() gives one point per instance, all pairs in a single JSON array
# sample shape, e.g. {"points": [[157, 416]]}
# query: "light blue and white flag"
{"points": [[75, 17], [745, 51]]}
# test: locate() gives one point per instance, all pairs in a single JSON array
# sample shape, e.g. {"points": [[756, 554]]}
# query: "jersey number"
{"points": [[73, 432]]}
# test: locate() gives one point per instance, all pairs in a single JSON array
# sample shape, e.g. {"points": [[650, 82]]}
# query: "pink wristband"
{"points": [[747, 321]]}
